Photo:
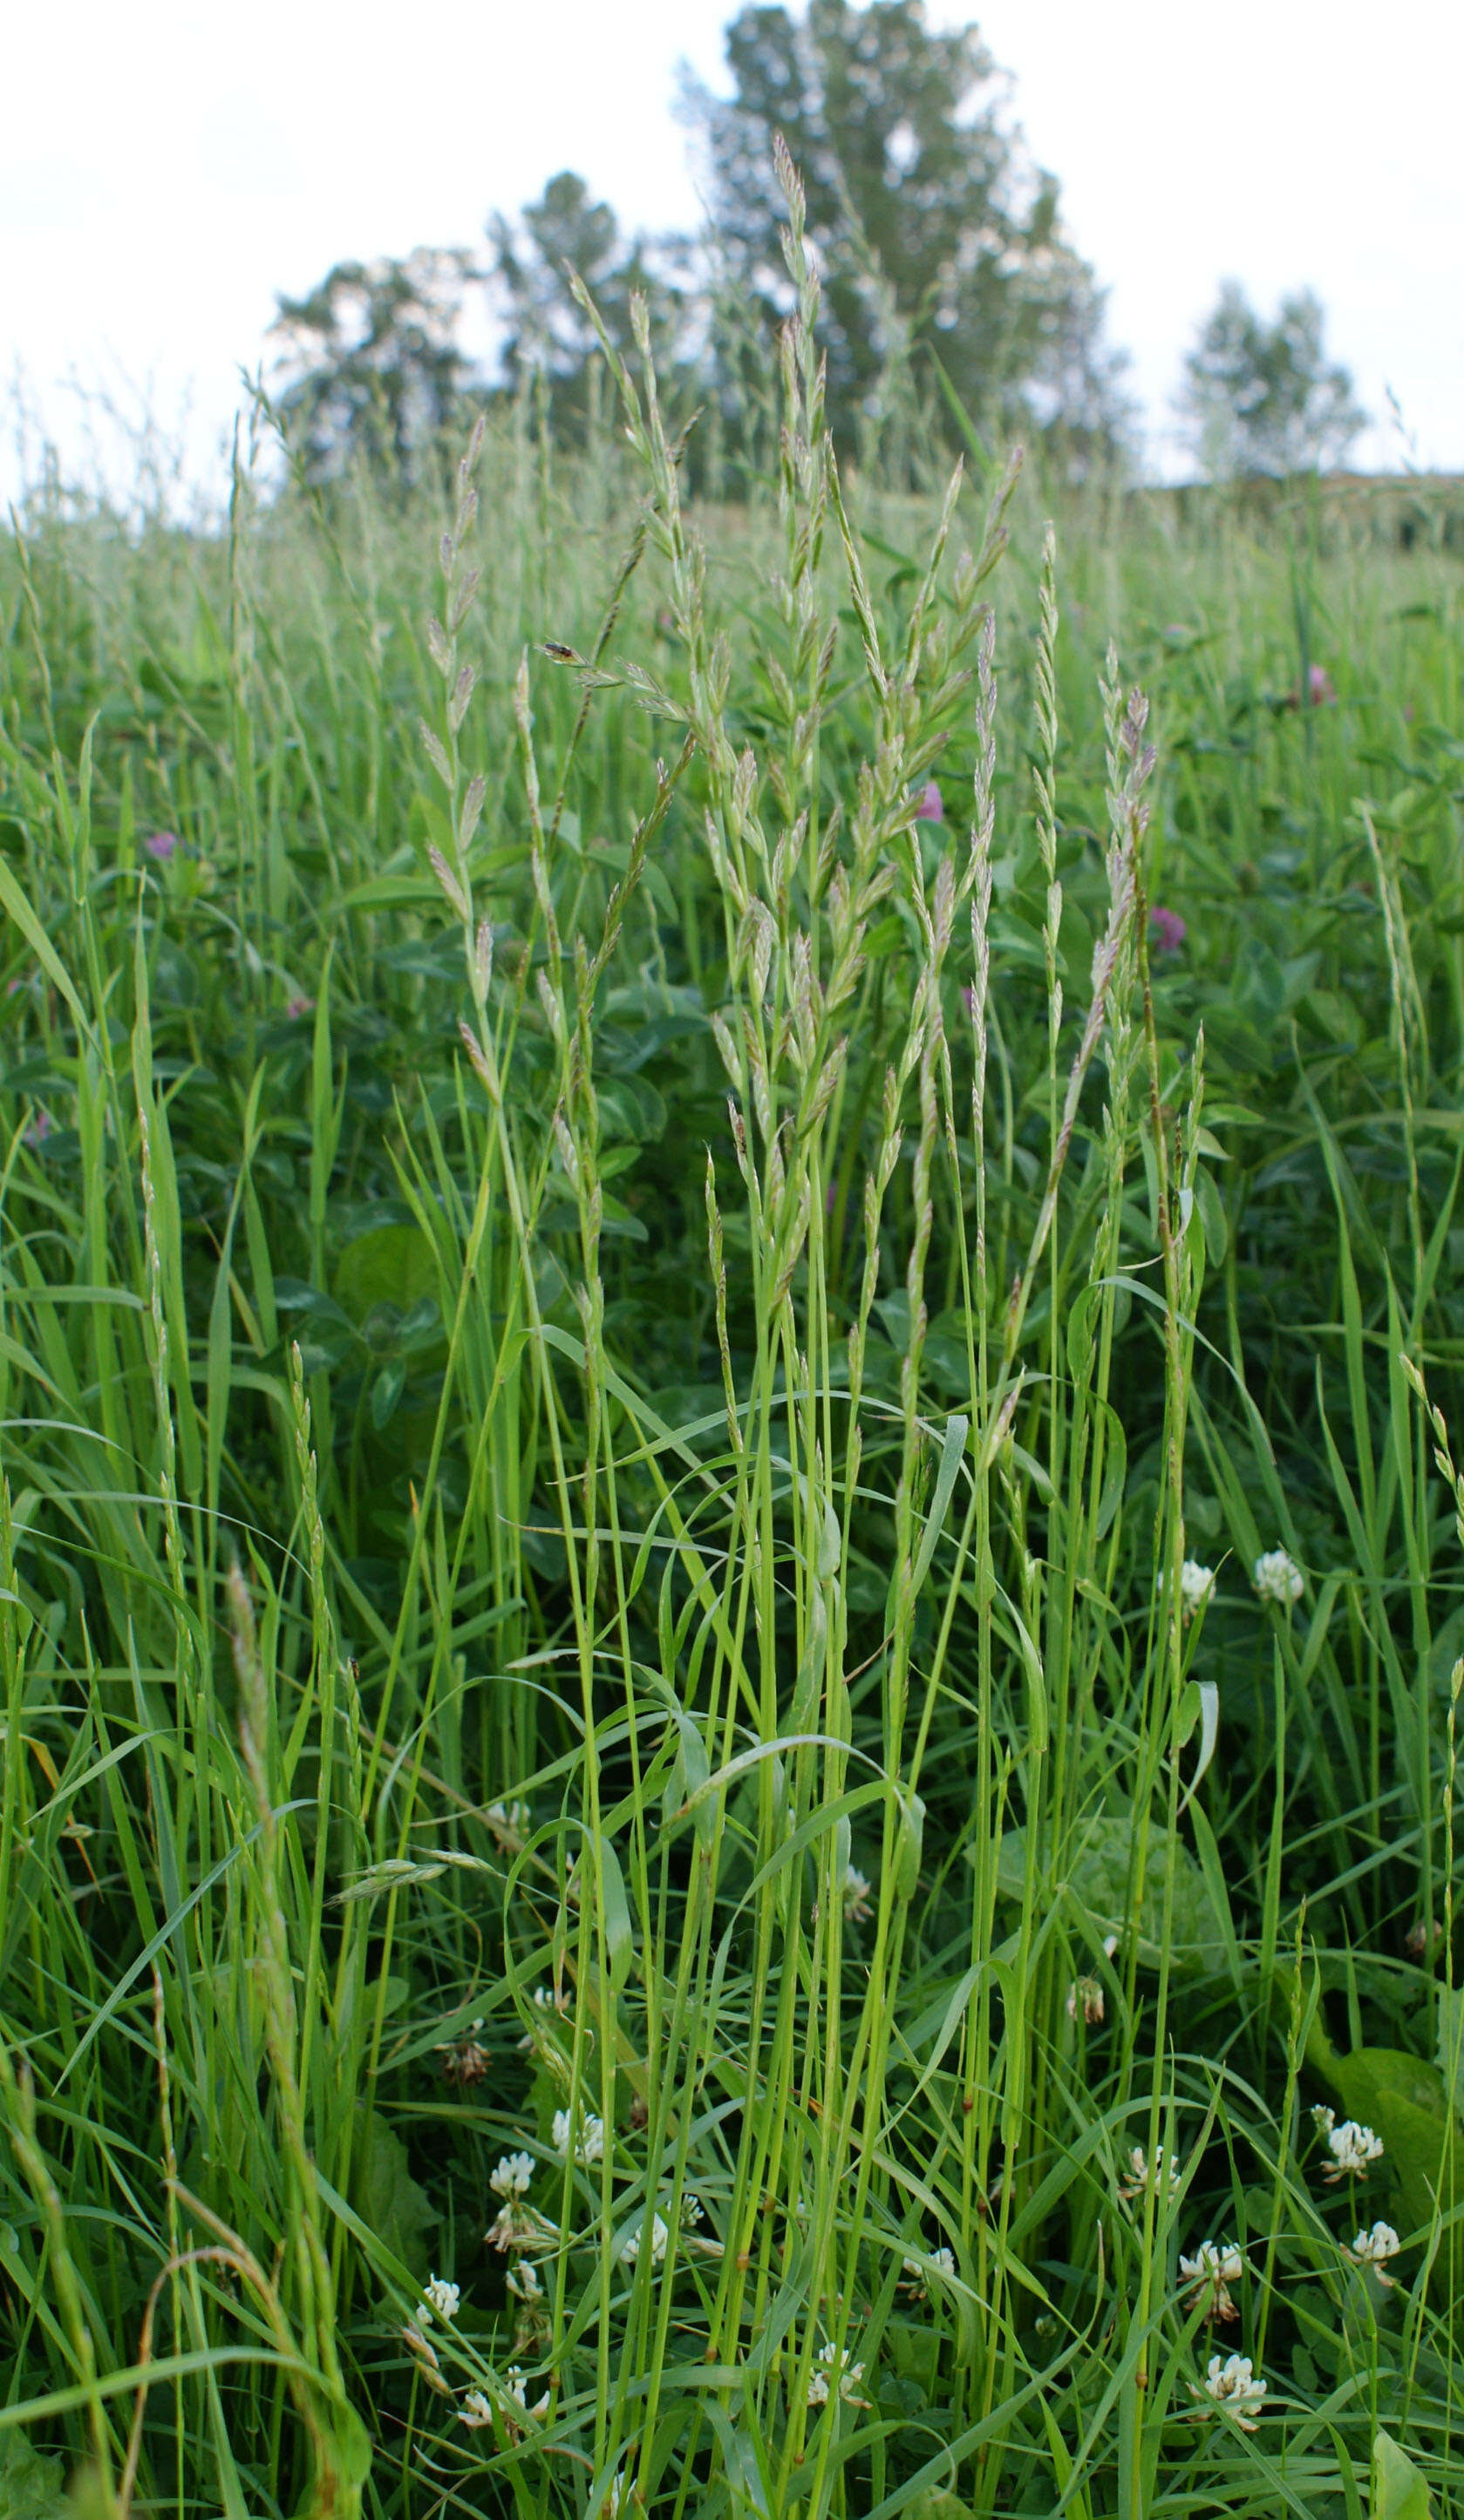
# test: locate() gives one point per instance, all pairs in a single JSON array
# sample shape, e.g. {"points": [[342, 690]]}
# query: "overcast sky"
{"points": [[169, 165]]}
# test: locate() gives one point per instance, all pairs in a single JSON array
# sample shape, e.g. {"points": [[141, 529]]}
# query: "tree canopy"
{"points": [[373, 362], [935, 231], [946, 271], [1263, 397], [546, 330]]}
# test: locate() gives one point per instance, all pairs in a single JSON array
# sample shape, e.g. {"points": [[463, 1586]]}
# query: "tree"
{"points": [[934, 231], [373, 366], [1261, 398], [547, 332]]}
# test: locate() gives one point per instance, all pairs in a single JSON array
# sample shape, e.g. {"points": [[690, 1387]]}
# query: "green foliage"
{"points": [[1400, 2488], [31, 2488], [544, 1615]]}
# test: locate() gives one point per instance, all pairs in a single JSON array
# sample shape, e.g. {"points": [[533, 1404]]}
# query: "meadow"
{"points": [[730, 1555]]}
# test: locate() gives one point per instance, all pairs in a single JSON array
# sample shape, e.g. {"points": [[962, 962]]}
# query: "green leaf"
{"points": [[391, 1264], [1398, 2491], [619, 1935], [384, 2194], [1098, 1873], [387, 1391], [1212, 1216], [31, 2488], [915, 2354], [909, 1843], [952, 1453], [1451, 2043], [1404, 2099]]}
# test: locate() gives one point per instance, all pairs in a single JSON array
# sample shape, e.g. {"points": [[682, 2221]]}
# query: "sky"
{"points": [[170, 166]]}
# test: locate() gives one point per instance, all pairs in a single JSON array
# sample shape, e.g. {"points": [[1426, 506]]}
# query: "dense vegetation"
{"points": [[685, 1206]]}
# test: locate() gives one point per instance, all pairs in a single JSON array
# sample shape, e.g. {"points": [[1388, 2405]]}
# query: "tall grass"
{"points": [[646, 1368]]}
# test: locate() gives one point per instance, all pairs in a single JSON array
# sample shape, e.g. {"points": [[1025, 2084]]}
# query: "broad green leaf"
{"points": [[1398, 2492], [31, 2487], [391, 1264], [1098, 1870], [620, 1937], [952, 1453], [1402, 2098], [384, 2194], [1452, 2041]]}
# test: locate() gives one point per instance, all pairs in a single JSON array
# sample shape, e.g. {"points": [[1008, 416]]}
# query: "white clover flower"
{"points": [[590, 2145], [1137, 2174], [1196, 1585], [524, 2283], [834, 2366], [475, 2411], [440, 2297], [514, 2383], [1323, 2117], [1352, 2147], [465, 2060], [509, 1818], [1374, 2248], [630, 2246], [1087, 1991], [855, 1895], [1277, 1578], [520, 2226], [1232, 2383], [1213, 2268], [539, 2038], [692, 2210], [512, 2176], [940, 2262]]}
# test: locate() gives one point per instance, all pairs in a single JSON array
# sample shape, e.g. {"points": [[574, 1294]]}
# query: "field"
{"points": [[730, 1346]]}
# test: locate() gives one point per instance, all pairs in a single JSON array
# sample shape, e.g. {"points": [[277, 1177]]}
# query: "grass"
{"points": [[616, 1344]]}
